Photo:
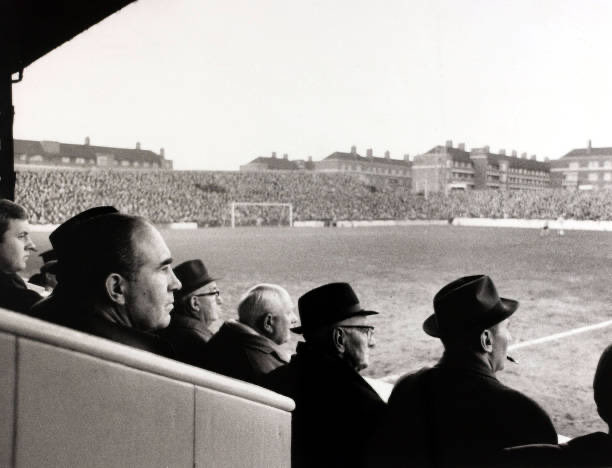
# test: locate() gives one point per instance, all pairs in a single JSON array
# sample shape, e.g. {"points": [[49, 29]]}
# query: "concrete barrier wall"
{"points": [[71, 399]]}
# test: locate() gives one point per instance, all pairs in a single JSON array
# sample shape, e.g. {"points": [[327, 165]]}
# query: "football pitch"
{"points": [[562, 283]]}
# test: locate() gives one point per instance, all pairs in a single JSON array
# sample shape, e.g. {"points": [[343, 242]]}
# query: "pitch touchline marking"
{"points": [[393, 377]]}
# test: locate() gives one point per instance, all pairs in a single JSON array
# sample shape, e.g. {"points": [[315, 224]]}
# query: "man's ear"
{"points": [[116, 288], [486, 340], [339, 339], [194, 303], [268, 324]]}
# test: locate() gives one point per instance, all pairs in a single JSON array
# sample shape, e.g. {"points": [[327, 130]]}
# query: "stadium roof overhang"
{"points": [[29, 29]]}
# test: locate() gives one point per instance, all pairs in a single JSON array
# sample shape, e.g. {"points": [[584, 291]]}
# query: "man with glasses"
{"points": [[336, 410], [196, 306], [250, 347]]}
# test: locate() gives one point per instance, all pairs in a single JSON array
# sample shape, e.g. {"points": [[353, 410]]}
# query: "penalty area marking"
{"points": [[393, 377]]}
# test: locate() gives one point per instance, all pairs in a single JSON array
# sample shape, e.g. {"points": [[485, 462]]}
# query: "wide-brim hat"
{"points": [[193, 275], [328, 304], [468, 304], [63, 236]]}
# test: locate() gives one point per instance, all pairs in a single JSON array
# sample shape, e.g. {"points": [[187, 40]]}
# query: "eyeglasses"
{"points": [[367, 329], [216, 293]]}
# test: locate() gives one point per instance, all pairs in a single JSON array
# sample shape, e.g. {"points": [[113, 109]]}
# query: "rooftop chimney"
{"points": [[310, 158], [137, 145], [486, 149], [387, 155], [589, 147], [353, 149], [406, 157], [524, 155], [285, 156], [369, 153], [461, 146], [514, 153], [449, 143], [533, 157], [502, 152], [86, 141], [274, 154], [161, 152]]}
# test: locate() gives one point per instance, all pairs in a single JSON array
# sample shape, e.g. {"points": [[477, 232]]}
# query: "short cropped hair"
{"points": [[103, 245], [602, 385], [9, 210], [257, 301]]}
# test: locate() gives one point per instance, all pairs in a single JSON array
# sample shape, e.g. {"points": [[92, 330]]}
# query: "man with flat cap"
{"points": [[457, 413], [336, 410], [196, 306]]}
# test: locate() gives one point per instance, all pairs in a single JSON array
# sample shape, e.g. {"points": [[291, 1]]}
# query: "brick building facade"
{"points": [[584, 169]]}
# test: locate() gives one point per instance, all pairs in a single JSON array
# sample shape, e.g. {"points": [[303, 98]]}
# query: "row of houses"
{"points": [[445, 168], [56, 154]]}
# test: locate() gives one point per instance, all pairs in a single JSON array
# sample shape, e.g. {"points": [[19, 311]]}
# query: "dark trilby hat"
{"points": [[48, 255], [193, 275], [326, 305], [468, 304], [61, 238]]}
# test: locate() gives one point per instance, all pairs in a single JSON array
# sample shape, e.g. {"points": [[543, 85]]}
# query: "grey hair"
{"points": [[259, 301]]}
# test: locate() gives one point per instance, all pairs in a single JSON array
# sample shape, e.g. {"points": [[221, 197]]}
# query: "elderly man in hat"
{"points": [[15, 249], [250, 347], [457, 413], [336, 409], [196, 306], [588, 450]]}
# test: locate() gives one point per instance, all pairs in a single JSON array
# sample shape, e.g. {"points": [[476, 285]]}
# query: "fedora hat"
{"points": [[326, 305], [61, 238], [468, 304], [193, 275]]}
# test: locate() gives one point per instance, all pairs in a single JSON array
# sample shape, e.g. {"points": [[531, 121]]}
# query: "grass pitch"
{"points": [[561, 282]]}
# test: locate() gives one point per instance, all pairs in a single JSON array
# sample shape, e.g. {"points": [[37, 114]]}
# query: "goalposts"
{"points": [[283, 206]]}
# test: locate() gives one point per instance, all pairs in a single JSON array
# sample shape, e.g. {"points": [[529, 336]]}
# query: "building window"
{"points": [[80, 160], [607, 164], [125, 163], [593, 164], [574, 165], [65, 159], [593, 176], [23, 157], [607, 176]]}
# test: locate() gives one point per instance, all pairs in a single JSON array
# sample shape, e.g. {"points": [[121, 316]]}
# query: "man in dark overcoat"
{"points": [[457, 413], [196, 306], [250, 347], [336, 409], [588, 450]]}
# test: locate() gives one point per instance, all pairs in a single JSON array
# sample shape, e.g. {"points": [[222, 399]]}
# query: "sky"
{"points": [[218, 83]]}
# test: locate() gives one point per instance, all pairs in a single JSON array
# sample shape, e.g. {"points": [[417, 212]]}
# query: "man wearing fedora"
{"points": [[196, 306], [336, 410], [250, 347], [457, 413]]}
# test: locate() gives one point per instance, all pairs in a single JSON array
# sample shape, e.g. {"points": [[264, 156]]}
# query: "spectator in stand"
{"points": [[249, 348], [55, 307], [588, 450], [196, 306], [457, 413], [119, 282], [15, 248], [336, 410]]}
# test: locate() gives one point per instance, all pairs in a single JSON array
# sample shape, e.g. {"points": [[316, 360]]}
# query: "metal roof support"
{"points": [[7, 113]]}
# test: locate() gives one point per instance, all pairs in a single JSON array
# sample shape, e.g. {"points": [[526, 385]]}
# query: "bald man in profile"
{"points": [[250, 347]]}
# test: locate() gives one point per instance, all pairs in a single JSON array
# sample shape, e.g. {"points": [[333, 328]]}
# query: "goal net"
{"points": [[261, 214]]}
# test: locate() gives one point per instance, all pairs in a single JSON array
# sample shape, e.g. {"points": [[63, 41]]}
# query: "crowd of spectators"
{"points": [[204, 197]]}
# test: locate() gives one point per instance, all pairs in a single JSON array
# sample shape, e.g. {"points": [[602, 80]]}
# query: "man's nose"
{"points": [[175, 283], [30, 245]]}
